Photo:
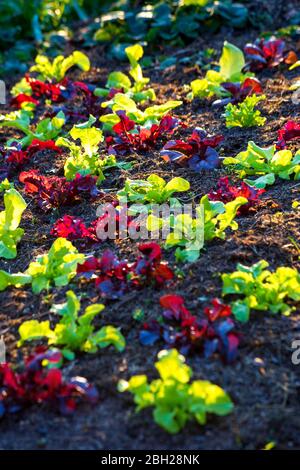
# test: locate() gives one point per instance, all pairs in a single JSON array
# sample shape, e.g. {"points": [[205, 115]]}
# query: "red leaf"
{"points": [[264, 53], [38, 145], [218, 310], [18, 100], [55, 191], [197, 152], [36, 384], [131, 136], [290, 131], [46, 90], [227, 192]]}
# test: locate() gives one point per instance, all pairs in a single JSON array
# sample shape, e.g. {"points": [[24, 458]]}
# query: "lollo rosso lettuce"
{"points": [[197, 152], [40, 381], [130, 136]]}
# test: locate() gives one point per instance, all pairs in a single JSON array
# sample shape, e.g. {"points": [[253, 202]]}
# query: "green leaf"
{"points": [[57, 69], [58, 266], [226, 219], [177, 185], [109, 335], [241, 311], [134, 53], [231, 65], [17, 280], [73, 332], [159, 111], [170, 365], [69, 308], [260, 289], [89, 138], [118, 80], [153, 190], [17, 119], [33, 329], [244, 114], [191, 233], [121, 102], [215, 398], [174, 399], [295, 65], [166, 419], [90, 312], [265, 163], [262, 181], [14, 208], [10, 219], [232, 61], [5, 185]]}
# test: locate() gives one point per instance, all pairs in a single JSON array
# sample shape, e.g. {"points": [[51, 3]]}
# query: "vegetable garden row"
{"points": [[71, 145]]}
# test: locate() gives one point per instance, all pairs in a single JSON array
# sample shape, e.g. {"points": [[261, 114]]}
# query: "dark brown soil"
{"points": [[263, 382]]}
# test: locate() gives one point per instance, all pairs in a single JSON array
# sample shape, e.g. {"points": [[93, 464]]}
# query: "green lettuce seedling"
{"points": [[189, 234], [120, 81], [46, 129], [57, 267], [73, 332], [10, 233], [57, 69], [153, 190], [231, 64], [85, 159], [244, 114], [260, 289], [151, 115], [5, 185], [266, 163], [175, 400]]}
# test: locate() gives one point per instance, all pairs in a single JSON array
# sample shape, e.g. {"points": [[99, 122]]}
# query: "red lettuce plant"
{"points": [[64, 91], [41, 89], [198, 152], [179, 328], [14, 157], [227, 192], [264, 53], [114, 277], [90, 104], [74, 228], [18, 100], [56, 191], [131, 136], [290, 131], [36, 384], [239, 91]]}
